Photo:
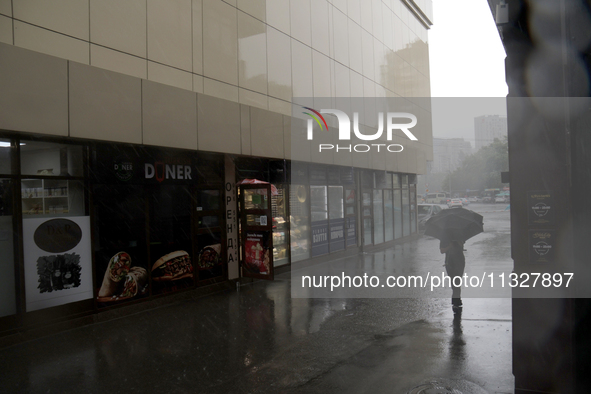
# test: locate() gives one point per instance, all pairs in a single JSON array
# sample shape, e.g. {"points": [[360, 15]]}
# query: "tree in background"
{"points": [[480, 171]]}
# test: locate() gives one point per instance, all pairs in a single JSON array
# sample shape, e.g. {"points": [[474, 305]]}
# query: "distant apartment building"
{"points": [[448, 154], [489, 127]]}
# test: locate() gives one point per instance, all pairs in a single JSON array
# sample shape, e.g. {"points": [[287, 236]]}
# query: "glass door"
{"points": [[210, 234], [256, 231]]}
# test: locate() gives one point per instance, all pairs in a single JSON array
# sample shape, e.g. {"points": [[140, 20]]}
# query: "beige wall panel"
{"points": [[287, 137], [197, 83], [321, 73], [45, 41], [355, 51], [340, 35], [367, 55], [5, 29], [341, 5], [320, 32], [252, 53], [69, 17], [170, 33], [6, 7], [34, 92], [254, 99], [300, 146], [245, 129], [231, 2], [279, 64], [198, 36], [301, 68], [266, 133], [119, 25], [220, 90], [220, 42], [169, 116], [218, 125], [300, 13], [170, 76], [104, 105], [255, 8], [387, 24], [342, 80], [366, 16], [117, 61], [279, 106], [379, 62], [376, 16], [278, 15], [356, 84], [354, 10]]}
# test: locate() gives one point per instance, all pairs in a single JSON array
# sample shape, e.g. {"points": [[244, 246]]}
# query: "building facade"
{"points": [[448, 154], [131, 133]]}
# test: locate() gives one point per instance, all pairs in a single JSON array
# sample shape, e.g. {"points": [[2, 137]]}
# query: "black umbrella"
{"points": [[454, 224]]}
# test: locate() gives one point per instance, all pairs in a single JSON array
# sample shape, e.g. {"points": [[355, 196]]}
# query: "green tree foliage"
{"points": [[481, 170]]}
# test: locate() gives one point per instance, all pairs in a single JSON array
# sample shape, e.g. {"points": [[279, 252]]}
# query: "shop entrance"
{"points": [[256, 234]]}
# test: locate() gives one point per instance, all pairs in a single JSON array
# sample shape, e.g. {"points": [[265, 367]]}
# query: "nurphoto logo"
{"points": [[392, 120]]}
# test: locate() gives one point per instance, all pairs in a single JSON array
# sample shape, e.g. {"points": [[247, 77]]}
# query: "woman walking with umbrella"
{"points": [[453, 227]]}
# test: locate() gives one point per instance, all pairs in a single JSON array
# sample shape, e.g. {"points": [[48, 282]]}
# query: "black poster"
{"points": [[319, 238], [541, 246], [337, 235], [540, 208]]}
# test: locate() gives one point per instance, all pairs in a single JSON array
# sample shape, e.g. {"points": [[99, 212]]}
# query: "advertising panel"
{"points": [[58, 261]]}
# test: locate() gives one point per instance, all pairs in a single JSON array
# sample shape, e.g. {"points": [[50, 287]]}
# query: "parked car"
{"points": [[502, 199], [455, 202], [488, 200], [465, 201], [425, 211], [473, 199]]}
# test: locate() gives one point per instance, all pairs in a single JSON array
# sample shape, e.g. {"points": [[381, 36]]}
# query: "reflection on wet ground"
{"points": [[258, 339]]}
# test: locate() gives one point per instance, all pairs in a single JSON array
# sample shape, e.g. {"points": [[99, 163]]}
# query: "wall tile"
{"points": [[218, 125], [34, 92], [63, 16], [354, 10], [366, 15], [197, 83], [367, 55], [252, 53], [356, 85], [320, 27], [104, 105], [220, 42], [48, 42], [278, 15], [255, 8], [170, 33], [321, 74], [198, 36], [170, 76], [340, 34], [5, 29], [266, 133], [6, 7], [279, 64], [245, 129], [301, 66], [219, 89], [342, 81], [248, 97], [279, 106], [376, 12], [355, 51], [169, 116], [300, 13], [118, 61], [119, 25]]}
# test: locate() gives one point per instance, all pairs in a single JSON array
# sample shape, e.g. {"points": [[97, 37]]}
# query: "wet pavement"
{"points": [[258, 339]]}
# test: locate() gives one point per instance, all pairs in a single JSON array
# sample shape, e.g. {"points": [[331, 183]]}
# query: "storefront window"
{"points": [[367, 220], [49, 159], [299, 222], [171, 250], [351, 217], [397, 213], [52, 197], [378, 217], [7, 278], [280, 226], [413, 209], [388, 216], [405, 212], [337, 218], [208, 250], [121, 261], [5, 156]]}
